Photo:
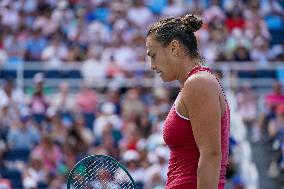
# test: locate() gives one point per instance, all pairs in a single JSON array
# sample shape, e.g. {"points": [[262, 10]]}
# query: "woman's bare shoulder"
{"points": [[201, 83]]}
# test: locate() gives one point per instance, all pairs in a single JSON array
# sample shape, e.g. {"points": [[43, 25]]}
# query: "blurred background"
{"points": [[75, 80]]}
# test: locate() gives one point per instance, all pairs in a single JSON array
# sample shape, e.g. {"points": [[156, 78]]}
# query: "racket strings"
{"points": [[100, 173], [83, 177]]}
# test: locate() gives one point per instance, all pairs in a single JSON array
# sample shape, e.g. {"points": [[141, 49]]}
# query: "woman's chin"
{"points": [[166, 79]]}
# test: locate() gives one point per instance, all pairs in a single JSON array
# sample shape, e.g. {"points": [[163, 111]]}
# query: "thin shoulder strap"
{"points": [[198, 69]]}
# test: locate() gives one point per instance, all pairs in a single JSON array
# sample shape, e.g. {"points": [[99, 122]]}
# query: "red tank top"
{"points": [[184, 154]]}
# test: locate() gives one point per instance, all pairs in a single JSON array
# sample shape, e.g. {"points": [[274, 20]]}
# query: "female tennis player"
{"points": [[197, 126]]}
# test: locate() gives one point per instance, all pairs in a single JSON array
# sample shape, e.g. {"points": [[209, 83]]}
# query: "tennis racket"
{"points": [[99, 172]]}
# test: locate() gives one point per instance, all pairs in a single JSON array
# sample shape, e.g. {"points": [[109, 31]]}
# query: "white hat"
{"points": [[4, 102], [162, 151], [108, 108], [120, 25], [38, 77], [63, 4], [29, 183], [130, 155]]}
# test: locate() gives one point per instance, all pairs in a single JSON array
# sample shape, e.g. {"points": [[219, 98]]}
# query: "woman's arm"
{"points": [[201, 99]]}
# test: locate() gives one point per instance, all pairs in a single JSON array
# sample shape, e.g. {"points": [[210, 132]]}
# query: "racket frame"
{"points": [[95, 157]]}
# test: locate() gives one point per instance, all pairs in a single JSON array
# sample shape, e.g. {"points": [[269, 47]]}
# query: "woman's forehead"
{"points": [[151, 43]]}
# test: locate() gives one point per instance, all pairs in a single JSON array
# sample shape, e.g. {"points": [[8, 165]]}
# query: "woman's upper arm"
{"points": [[201, 98]]}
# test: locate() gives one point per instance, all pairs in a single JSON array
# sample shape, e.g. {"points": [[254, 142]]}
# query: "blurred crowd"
{"points": [[48, 134], [59, 130], [264, 117], [113, 32]]}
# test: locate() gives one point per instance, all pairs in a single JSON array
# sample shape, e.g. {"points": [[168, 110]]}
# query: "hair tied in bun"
{"points": [[192, 22]]}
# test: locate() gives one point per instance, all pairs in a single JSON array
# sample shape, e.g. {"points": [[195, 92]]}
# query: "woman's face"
{"points": [[162, 59]]}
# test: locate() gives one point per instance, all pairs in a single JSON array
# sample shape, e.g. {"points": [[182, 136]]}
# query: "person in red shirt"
{"points": [[196, 129], [235, 19]]}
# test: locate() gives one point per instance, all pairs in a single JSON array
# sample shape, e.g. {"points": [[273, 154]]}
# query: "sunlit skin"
{"points": [[171, 62]]}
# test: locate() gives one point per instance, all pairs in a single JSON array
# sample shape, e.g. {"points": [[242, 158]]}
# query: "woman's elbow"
{"points": [[211, 155]]}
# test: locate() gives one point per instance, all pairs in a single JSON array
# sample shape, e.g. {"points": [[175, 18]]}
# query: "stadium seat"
{"points": [[8, 74], [139, 185], [14, 176], [42, 185], [277, 36], [17, 183], [10, 174], [53, 73], [17, 154]]}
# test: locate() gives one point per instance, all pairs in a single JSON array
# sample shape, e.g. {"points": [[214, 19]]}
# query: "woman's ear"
{"points": [[175, 46]]}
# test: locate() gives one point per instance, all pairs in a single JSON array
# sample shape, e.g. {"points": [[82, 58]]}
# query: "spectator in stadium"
{"points": [[276, 136], [261, 52], [276, 96], [11, 97], [59, 182], [35, 45], [84, 132], [248, 110], [236, 46], [247, 104], [22, 134], [49, 153], [132, 106], [55, 53], [6, 120], [35, 171], [93, 68], [107, 116], [38, 103], [113, 71], [131, 136], [276, 125], [241, 54], [3, 150], [86, 102], [63, 101], [79, 137], [113, 96], [144, 13], [3, 56], [235, 19], [156, 172], [14, 48], [58, 129], [173, 9], [272, 99], [132, 159]]}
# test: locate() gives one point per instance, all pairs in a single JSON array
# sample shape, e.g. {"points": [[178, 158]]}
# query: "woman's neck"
{"points": [[184, 70]]}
